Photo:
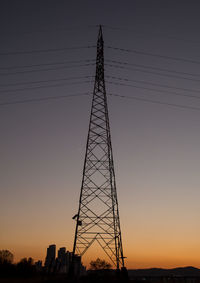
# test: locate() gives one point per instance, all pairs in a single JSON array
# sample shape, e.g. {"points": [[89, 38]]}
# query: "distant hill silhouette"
{"points": [[188, 271]]}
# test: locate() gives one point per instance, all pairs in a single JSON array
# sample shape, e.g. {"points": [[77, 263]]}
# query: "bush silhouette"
{"points": [[99, 264]]}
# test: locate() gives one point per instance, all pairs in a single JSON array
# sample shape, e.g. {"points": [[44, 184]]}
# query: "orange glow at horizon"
{"points": [[143, 252], [135, 260], [157, 237]]}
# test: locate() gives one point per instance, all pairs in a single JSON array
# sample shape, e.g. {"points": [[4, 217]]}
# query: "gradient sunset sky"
{"points": [[156, 146]]}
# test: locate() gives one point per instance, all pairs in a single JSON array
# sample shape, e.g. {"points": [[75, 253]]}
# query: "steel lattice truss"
{"points": [[98, 215]]}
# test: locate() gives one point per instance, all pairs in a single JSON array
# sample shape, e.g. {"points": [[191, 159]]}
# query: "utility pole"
{"points": [[98, 214]]}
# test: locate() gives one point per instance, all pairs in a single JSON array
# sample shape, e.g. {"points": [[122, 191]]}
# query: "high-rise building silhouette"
{"points": [[61, 253], [50, 258], [62, 263], [98, 215]]}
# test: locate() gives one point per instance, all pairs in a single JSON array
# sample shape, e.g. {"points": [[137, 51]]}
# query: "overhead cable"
{"points": [[73, 29], [153, 68], [41, 87], [155, 101], [154, 84], [43, 99], [45, 81], [45, 50], [141, 32], [152, 54], [45, 70], [151, 72], [155, 90], [48, 64]]}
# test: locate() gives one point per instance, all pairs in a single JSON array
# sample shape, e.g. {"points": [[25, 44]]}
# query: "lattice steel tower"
{"points": [[98, 214]]}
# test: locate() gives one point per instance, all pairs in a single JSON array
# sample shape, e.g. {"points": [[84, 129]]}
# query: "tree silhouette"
{"points": [[6, 266], [6, 257], [27, 262], [99, 264], [26, 267]]}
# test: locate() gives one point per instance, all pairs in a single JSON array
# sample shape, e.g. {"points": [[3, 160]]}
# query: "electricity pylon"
{"points": [[98, 215]]}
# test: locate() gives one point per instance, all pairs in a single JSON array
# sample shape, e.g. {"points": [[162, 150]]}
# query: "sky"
{"points": [[154, 128]]}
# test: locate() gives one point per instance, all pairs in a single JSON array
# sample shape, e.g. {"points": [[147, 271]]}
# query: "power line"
{"points": [[152, 67], [109, 82], [92, 60], [41, 87], [45, 50], [152, 73], [156, 90], [45, 70], [155, 101], [43, 99], [46, 81], [77, 28], [154, 84], [88, 93], [162, 35], [152, 54], [48, 64], [87, 77]]}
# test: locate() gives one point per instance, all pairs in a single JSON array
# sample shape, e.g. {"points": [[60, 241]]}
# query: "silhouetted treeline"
{"points": [[25, 267]]}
